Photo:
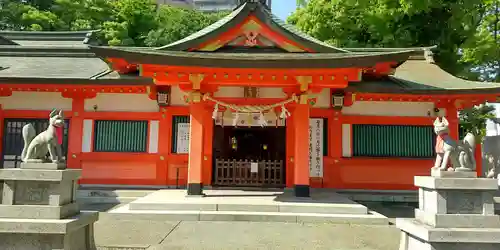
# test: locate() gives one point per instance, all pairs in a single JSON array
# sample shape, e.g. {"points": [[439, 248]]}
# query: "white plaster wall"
{"points": [[154, 127], [346, 140], [377, 108], [121, 102], [88, 129], [323, 99], [177, 96], [271, 93], [237, 92], [35, 101]]}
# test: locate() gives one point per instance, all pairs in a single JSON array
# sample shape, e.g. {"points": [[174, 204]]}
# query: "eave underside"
{"points": [[253, 60]]}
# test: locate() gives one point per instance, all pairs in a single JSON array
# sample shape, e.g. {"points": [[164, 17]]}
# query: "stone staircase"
{"points": [[237, 205]]}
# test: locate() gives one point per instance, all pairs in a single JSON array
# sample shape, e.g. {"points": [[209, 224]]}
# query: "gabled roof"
{"points": [[241, 13]]}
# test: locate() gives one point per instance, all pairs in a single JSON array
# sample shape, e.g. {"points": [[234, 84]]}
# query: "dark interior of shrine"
{"points": [[249, 143]]}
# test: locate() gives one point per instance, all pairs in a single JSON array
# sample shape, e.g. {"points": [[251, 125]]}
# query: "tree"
{"points": [[466, 33], [120, 23], [392, 23], [482, 51], [474, 120], [177, 23]]}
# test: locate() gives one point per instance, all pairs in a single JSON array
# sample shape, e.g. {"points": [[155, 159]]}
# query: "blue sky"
{"points": [[283, 8]]}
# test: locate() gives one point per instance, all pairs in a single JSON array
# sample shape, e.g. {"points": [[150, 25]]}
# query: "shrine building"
{"points": [[247, 102]]}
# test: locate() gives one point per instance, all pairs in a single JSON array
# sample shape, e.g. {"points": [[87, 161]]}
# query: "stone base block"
{"points": [[458, 220], [47, 166], [431, 182], [419, 236], [76, 233], [452, 174], [410, 242], [38, 211], [17, 174]]}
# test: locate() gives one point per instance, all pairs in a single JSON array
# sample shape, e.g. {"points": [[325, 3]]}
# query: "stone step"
{"points": [[125, 213], [248, 201], [202, 205]]}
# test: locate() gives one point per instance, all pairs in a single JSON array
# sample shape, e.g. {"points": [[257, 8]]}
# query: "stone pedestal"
{"points": [[39, 209], [456, 211]]}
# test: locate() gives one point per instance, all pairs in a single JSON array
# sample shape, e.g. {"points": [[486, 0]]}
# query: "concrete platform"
{"points": [[325, 202], [239, 205]]}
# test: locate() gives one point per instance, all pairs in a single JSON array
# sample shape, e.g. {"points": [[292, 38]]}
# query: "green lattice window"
{"points": [[120, 136], [393, 141], [176, 120]]}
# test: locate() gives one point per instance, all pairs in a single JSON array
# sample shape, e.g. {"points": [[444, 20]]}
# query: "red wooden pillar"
{"points": [[76, 133], [195, 165], [452, 117], [301, 150], [164, 142]]}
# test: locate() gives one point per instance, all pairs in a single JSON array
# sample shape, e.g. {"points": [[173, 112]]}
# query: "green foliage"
{"points": [[120, 23], [176, 23], [394, 23], [466, 32], [473, 120]]}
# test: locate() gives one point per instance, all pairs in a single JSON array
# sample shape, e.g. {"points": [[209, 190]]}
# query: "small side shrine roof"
{"points": [[49, 38], [55, 57], [423, 77], [264, 15]]}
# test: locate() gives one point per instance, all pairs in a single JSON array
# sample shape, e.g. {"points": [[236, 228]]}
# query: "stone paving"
{"points": [[155, 235]]}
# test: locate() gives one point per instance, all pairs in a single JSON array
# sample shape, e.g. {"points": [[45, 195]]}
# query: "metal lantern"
{"points": [[338, 100], [163, 97]]}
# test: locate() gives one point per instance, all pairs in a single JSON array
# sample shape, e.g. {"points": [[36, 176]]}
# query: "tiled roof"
{"points": [[48, 38], [53, 57], [252, 60], [423, 77]]}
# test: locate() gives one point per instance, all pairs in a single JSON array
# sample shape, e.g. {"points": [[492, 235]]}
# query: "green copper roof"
{"points": [[238, 16]]}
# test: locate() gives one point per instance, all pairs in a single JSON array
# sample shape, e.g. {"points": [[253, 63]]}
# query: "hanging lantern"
{"points": [[163, 97], [338, 100], [234, 143]]}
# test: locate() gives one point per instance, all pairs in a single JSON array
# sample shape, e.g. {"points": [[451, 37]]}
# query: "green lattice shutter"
{"points": [[393, 141], [120, 136]]}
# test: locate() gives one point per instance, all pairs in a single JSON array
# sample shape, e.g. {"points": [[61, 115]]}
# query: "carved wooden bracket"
{"points": [[304, 82], [196, 80]]}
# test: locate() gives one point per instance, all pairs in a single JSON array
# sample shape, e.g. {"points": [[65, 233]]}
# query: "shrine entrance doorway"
{"points": [[249, 156]]}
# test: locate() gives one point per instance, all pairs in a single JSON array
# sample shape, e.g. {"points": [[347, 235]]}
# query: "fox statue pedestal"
{"points": [[39, 210], [456, 211]]}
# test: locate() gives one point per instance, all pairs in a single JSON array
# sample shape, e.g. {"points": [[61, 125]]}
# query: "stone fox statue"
{"points": [[36, 146], [461, 153]]}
